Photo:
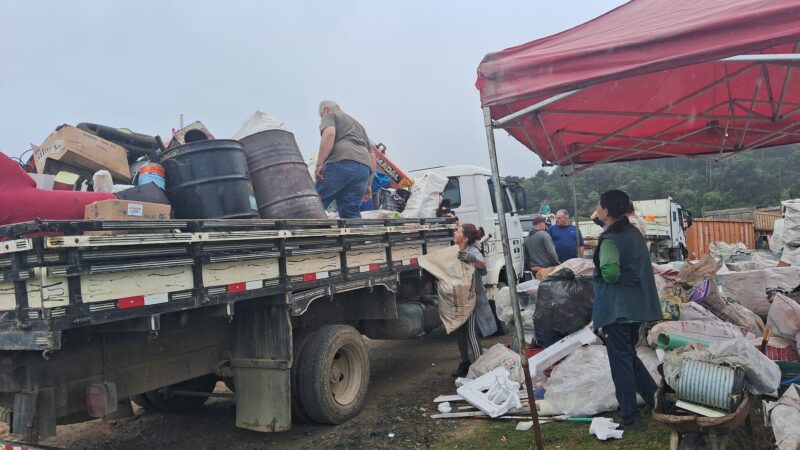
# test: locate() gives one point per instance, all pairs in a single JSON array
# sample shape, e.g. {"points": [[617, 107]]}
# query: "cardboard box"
{"points": [[75, 147], [126, 210]]}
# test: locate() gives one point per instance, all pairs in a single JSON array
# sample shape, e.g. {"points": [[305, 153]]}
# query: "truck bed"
{"points": [[58, 275]]}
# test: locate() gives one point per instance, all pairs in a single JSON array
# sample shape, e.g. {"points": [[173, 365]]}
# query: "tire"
{"points": [[180, 403], [334, 374], [298, 411], [142, 401]]}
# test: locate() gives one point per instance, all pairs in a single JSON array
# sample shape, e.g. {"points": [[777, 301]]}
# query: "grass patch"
{"points": [[575, 436]]}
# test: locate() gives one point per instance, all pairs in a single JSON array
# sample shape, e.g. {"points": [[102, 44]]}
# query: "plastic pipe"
{"points": [[673, 341]]}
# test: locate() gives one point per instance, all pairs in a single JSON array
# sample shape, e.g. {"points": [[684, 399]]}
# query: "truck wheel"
{"points": [[143, 402], [334, 374], [181, 403], [298, 411]]}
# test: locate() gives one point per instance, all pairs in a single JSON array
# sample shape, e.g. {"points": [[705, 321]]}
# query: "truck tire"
{"points": [[142, 401], [334, 374], [298, 411], [181, 403]]}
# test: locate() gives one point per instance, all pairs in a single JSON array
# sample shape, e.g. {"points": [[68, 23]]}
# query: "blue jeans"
{"points": [[627, 370], [346, 182]]}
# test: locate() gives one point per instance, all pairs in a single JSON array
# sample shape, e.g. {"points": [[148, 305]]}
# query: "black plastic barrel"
{"points": [[283, 187], [209, 180]]}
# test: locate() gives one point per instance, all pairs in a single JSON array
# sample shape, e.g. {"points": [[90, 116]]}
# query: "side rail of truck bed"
{"points": [[58, 275]]}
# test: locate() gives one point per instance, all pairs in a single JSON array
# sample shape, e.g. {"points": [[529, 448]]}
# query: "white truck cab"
{"points": [[471, 196]]}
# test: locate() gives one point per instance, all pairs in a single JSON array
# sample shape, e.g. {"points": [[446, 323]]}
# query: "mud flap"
{"points": [[34, 415], [261, 363]]}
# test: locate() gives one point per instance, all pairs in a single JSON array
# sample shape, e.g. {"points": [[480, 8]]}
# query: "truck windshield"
{"points": [[506, 202]]}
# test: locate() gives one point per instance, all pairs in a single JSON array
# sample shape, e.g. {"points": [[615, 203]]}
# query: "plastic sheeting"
{"points": [[696, 330], [581, 384]]}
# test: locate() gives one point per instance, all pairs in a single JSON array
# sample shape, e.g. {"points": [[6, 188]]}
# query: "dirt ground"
{"points": [[406, 377]]}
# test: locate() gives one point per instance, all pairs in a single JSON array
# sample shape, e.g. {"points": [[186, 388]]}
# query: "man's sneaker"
{"points": [[462, 370], [635, 426]]}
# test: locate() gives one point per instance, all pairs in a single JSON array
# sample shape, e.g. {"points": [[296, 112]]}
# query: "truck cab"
{"points": [[470, 191]]}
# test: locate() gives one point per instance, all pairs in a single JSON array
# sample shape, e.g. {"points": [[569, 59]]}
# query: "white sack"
{"points": [[498, 355], [785, 417], [456, 287], [581, 384], [783, 278], [693, 311], [784, 317], [762, 374], [791, 215], [776, 243], [706, 331], [581, 267], [791, 255], [748, 288], [425, 196], [258, 122]]}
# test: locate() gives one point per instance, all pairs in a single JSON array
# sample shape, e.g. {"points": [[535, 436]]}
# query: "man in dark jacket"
{"points": [[539, 249]]}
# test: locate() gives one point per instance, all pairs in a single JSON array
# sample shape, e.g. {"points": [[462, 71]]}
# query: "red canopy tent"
{"points": [[652, 79]]}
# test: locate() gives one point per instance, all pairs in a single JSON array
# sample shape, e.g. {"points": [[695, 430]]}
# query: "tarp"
{"points": [[651, 83]]}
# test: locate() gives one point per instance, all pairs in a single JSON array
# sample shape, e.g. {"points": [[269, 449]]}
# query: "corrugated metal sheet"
{"points": [[765, 220], [705, 231], [730, 214]]}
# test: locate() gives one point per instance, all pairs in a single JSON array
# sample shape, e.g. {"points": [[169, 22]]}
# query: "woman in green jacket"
{"points": [[625, 296]]}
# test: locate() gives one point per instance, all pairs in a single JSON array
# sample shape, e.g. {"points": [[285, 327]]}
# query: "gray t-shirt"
{"points": [[539, 249], [351, 141]]}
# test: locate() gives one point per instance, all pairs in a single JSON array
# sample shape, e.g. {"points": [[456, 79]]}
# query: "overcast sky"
{"points": [[405, 69]]}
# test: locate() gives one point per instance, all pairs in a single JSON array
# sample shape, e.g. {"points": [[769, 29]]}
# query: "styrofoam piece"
{"points": [[538, 363], [493, 393], [524, 426], [445, 407], [462, 381], [604, 428]]}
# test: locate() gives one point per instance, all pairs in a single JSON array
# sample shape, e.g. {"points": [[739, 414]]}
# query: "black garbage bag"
{"points": [[563, 306]]}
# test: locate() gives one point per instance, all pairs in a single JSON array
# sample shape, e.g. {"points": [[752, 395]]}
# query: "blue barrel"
{"points": [[209, 180]]}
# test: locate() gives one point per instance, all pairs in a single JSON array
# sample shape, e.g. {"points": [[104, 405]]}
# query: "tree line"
{"points": [[755, 178]]}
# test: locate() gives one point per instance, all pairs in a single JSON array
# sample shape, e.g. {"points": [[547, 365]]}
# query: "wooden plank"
{"points": [[356, 258], [7, 300], [111, 286], [302, 264], [405, 251], [223, 274]]}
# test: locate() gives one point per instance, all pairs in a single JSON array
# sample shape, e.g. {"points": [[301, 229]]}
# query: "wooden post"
{"points": [[261, 363]]}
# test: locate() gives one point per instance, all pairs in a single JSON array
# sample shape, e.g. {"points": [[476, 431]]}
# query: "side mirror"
{"points": [[520, 197]]}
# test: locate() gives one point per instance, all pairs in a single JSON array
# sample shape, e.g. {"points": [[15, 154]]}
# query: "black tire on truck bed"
{"points": [[181, 403], [334, 374]]}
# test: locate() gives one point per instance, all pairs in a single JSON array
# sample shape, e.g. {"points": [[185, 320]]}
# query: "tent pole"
{"points": [[511, 276]]}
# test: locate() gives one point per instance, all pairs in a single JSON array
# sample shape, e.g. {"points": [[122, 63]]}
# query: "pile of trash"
{"points": [[730, 334], [98, 172]]}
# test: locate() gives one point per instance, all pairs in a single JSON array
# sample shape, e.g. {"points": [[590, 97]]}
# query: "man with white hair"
{"points": [[344, 162], [567, 238]]}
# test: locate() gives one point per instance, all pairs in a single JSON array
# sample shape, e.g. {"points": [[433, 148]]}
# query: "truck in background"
{"points": [[666, 222], [470, 192]]}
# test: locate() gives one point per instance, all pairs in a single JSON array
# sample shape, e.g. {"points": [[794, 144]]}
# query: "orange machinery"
{"points": [[399, 178]]}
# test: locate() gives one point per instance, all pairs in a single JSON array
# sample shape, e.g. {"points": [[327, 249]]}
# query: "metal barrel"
{"points": [[209, 180], [283, 188], [711, 385]]}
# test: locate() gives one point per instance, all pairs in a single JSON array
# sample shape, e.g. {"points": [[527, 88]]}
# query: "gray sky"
{"points": [[405, 69]]}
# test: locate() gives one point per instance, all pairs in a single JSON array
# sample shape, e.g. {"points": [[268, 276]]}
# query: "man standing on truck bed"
{"points": [[566, 237], [344, 163], [539, 250]]}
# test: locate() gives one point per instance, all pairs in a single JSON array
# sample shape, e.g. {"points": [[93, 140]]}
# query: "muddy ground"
{"points": [[406, 377]]}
